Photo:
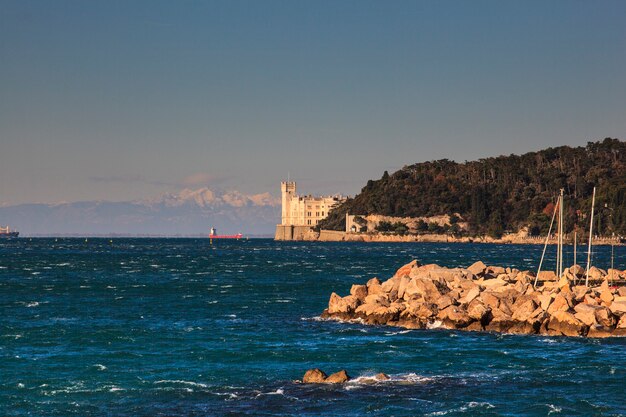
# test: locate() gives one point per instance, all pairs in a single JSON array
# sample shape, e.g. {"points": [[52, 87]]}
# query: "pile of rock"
{"points": [[490, 298], [317, 376]]}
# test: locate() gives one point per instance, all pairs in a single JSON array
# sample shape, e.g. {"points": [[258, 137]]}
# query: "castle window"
{"points": [[322, 213]]}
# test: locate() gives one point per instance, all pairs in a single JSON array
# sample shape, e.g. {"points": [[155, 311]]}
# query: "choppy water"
{"points": [[176, 327]]}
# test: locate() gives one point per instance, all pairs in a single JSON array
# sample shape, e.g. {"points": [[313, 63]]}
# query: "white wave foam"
{"points": [[399, 379], [398, 332], [316, 318], [471, 404], [181, 382], [100, 367], [32, 304], [553, 409]]}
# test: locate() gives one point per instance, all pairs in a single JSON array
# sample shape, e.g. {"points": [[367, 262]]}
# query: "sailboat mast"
{"points": [[575, 243], [545, 246], [561, 235], [593, 203]]}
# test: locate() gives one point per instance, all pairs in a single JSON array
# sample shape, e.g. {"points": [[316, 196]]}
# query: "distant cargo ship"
{"points": [[6, 232], [213, 235]]}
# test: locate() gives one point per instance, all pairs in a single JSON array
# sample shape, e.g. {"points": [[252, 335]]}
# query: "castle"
{"points": [[301, 213]]}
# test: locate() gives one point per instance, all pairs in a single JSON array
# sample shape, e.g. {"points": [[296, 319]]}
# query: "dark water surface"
{"points": [[177, 327]]}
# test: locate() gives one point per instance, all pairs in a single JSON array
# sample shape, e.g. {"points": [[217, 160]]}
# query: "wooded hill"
{"points": [[504, 193]]}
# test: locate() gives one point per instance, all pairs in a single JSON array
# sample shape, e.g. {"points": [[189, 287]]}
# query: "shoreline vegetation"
{"points": [[491, 299], [495, 196]]}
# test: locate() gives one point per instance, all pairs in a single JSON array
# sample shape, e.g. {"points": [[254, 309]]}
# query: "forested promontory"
{"points": [[504, 193]]}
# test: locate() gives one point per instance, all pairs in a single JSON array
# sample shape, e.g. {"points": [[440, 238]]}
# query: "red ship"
{"points": [[213, 235]]}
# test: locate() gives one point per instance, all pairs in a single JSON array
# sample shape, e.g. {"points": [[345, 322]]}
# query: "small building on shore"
{"points": [[301, 213]]}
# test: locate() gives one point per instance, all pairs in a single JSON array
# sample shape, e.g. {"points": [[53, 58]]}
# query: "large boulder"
{"points": [[577, 270], [560, 303], [424, 287], [454, 317], [490, 300], [405, 270], [547, 276], [420, 309], [477, 268], [606, 296], [545, 299], [470, 294], [565, 323], [339, 305], [391, 284], [604, 317], [402, 283], [600, 331], [596, 274], [524, 307], [493, 283], [496, 270], [314, 376], [359, 291], [445, 301], [580, 291], [476, 310], [380, 299], [618, 308], [374, 286], [337, 378], [586, 314]]}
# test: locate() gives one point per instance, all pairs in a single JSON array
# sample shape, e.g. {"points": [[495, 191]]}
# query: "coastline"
{"points": [[511, 239]]}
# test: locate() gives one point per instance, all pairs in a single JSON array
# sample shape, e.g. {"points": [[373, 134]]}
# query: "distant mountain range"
{"points": [[188, 212]]}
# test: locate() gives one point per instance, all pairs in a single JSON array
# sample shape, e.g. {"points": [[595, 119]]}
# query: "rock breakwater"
{"points": [[490, 298]]}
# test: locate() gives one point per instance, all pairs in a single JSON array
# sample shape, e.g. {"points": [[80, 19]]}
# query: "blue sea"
{"points": [[182, 327]]}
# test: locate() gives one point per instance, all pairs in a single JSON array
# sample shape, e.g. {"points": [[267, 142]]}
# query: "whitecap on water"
{"points": [[553, 409], [398, 332], [463, 408], [100, 367], [181, 382]]}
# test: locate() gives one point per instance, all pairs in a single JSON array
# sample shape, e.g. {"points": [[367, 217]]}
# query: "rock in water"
{"points": [[382, 377], [337, 378], [314, 376]]}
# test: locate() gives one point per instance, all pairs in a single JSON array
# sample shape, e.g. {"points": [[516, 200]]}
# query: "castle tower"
{"points": [[287, 191]]}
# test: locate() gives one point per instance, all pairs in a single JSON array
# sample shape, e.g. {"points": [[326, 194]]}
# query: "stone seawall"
{"points": [[496, 299], [334, 236]]}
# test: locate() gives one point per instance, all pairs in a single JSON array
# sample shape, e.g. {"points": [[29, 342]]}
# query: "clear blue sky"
{"points": [[119, 100]]}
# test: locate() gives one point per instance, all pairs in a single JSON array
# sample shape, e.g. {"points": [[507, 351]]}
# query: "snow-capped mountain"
{"points": [[188, 212]]}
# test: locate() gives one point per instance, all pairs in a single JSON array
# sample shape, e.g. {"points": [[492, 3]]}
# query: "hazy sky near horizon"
{"points": [[123, 100]]}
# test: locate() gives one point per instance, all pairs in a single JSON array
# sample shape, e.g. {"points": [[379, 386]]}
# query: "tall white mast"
{"points": [[593, 203], [559, 253], [545, 245]]}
